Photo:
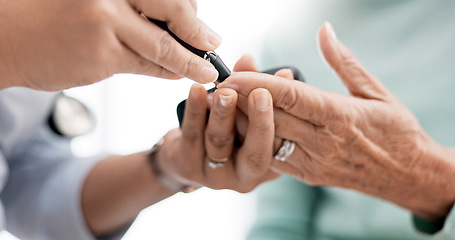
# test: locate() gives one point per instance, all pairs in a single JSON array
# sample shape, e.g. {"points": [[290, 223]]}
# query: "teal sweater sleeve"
{"points": [[446, 233], [284, 210]]}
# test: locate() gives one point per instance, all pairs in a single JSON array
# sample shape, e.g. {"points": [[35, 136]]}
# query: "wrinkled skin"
{"points": [[368, 141]]}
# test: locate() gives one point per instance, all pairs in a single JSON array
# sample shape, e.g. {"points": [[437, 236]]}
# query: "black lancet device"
{"points": [[215, 60], [212, 57]]}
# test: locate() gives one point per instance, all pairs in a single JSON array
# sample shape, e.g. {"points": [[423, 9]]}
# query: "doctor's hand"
{"points": [[188, 155], [368, 141], [53, 45]]}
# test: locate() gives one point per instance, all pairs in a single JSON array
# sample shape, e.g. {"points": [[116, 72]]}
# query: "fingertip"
{"points": [[225, 101], [197, 91], [328, 46], [214, 39], [208, 74], [245, 63], [261, 99], [226, 91], [285, 73]]}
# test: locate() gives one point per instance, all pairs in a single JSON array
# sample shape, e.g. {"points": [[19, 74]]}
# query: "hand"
{"points": [[369, 141], [183, 155], [52, 45]]}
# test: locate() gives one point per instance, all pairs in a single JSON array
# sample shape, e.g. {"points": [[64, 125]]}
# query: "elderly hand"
{"points": [[52, 45], [369, 141], [185, 154]]}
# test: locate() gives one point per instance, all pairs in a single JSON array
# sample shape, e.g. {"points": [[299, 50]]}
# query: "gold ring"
{"points": [[218, 160]]}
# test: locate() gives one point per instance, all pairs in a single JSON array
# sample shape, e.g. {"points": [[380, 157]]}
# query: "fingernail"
{"points": [[331, 32], [226, 100], [261, 100], [193, 91], [334, 40], [209, 74], [228, 85], [214, 39]]}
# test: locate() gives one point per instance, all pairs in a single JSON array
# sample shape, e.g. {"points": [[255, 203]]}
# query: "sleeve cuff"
{"points": [[62, 206], [439, 230]]}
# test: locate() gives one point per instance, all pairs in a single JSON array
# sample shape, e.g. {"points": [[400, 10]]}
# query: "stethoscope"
{"points": [[70, 117]]}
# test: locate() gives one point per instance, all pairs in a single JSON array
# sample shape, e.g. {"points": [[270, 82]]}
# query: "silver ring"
{"points": [[285, 151], [212, 164]]}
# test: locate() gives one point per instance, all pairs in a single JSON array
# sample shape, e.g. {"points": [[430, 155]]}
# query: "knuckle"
{"points": [[165, 47], [222, 112], [288, 98], [262, 126], [143, 66], [220, 141], [196, 32], [188, 67], [257, 162], [191, 114], [180, 7], [191, 135]]}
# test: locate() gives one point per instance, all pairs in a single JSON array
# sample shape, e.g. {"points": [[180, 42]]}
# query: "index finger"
{"points": [[181, 18], [294, 97]]}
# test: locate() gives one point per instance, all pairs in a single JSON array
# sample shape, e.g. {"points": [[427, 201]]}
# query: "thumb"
{"points": [[354, 76], [245, 63]]}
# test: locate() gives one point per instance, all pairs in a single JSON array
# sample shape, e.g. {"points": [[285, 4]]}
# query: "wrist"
{"points": [[436, 186], [155, 158]]}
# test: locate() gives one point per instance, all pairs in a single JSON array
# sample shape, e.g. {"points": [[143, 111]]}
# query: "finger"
{"points": [[181, 19], [131, 60], [241, 125], [354, 76], [285, 73], [245, 63], [295, 129], [255, 154], [245, 187], [294, 166], [193, 124], [194, 5], [242, 102], [294, 97], [219, 134], [221, 177], [160, 48]]}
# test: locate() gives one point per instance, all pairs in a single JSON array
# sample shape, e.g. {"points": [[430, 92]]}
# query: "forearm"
{"points": [[117, 189], [8, 13]]}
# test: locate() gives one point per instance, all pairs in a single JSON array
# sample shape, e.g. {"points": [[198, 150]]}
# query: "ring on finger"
{"points": [[218, 160], [285, 151], [213, 164]]}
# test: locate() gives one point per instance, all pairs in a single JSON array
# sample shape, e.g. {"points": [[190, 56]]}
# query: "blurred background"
{"points": [[134, 112]]}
